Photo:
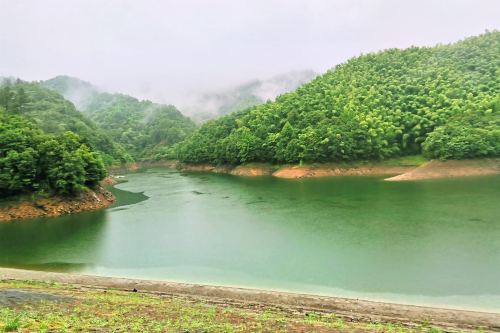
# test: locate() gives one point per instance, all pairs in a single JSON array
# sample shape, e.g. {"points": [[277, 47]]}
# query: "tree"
{"points": [[33, 161], [376, 106]]}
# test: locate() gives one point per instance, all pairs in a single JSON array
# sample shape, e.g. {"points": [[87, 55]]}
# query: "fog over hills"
{"points": [[254, 92], [201, 107], [77, 91], [168, 51], [142, 127]]}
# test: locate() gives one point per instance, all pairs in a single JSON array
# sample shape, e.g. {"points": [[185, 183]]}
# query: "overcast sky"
{"points": [[165, 50]]}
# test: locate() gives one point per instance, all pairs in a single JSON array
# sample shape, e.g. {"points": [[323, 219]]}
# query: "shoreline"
{"points": [[89, 200], [396, 170], [449, 169], [352, 309], [291, 171]]}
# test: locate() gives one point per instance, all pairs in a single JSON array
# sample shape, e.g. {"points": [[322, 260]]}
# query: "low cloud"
{"points": [[169, 50]]}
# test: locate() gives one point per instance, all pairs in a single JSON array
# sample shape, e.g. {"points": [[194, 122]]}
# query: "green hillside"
{"points": [[55, 115], [441, 101], [243, 96], [144, 128], [79, 92], [34, 161]]}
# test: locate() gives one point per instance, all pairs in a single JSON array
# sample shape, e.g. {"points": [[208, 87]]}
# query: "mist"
{"points": [[174, 52]]}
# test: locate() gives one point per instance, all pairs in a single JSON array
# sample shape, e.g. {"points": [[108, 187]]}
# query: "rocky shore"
{"points": [[97, 198]]}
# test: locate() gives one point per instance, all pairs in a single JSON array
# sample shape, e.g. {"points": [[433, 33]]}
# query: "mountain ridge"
{"points": [[442, 101]]}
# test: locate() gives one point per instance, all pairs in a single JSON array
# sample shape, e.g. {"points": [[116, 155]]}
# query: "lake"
{"points": [[428, 242]]}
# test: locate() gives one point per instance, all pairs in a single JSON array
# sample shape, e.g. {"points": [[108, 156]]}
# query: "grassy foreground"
{"points": [[53, 307]]}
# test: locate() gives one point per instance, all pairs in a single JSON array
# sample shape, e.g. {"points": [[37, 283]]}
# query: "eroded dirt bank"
{"points": [[444, 169], [58, 205], [252, 170], [428, 170], [296, 171], [331, 170], [352, 309]]}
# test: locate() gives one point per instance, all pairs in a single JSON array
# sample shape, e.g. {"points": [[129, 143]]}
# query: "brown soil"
{"points": [[295, 172], [330, 170], [251, 171], [445, 169], [432, 169], [109, 181], [352, 309], [206, 168], [57, 205]]}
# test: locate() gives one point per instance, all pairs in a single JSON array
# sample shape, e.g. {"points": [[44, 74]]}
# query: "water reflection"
{"points": [[350, 236], [66, 243]]}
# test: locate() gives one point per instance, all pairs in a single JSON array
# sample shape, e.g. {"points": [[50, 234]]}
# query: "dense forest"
{"points": [[54, 114], [145, 129], [34, 161], [441, 101], [48, 146]]}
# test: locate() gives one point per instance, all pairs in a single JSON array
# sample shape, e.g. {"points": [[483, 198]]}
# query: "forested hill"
{"points": [[79, 92], [55, 115], [255, 92], [144, 128], [34, 161], [442, 101]]}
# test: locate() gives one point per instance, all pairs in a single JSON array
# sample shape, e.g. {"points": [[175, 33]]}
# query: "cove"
{"points": [[427, 242]]}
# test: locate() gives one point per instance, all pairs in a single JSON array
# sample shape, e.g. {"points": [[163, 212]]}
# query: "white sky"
{"points": [[167, 50]]}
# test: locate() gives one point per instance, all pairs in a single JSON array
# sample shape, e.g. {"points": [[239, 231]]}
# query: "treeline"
{"points": [[33, 161], [145, 129], [442, 101], [48, 146], [252, 93], [55, 115]]}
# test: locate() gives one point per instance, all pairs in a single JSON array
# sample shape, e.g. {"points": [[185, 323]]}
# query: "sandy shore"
{"points": [[429, 170], [297, 172], [332, 170], [446, 169], [451, 320]]}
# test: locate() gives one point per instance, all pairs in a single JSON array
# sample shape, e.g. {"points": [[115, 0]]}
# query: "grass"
{"points": [[13, 324], [410, 160], [94, 310], [401, 161]]}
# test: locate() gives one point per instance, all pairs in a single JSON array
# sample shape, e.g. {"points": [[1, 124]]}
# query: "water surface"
{"points": [[429, 242]]}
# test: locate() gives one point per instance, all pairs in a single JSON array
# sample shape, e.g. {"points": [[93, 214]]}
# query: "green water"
{"points": [[429, 242]]}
